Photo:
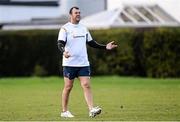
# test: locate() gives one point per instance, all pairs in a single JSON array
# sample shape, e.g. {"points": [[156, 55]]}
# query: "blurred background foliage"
{"points": [[151, 52]]}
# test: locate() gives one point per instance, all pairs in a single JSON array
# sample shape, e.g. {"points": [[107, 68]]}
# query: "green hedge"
{"points": [[118, 61], [140, 52], [162, 53], [26, 53]]}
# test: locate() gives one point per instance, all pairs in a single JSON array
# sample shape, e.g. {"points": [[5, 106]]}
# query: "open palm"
{"points": [[111, 45]]}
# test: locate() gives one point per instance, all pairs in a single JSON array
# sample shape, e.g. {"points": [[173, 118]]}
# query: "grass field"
{"points": [[121, 98]]}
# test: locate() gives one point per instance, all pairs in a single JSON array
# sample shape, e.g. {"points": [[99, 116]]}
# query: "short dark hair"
{"points": [[70, 11]]}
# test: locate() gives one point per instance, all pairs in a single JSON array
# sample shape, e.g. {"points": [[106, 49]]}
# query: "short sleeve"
{"points": [[62, 34], [88, 36]]}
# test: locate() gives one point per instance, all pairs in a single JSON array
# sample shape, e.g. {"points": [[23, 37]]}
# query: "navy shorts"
{"points": [[73, 72]]}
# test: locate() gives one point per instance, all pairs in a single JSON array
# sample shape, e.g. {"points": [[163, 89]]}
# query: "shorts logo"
{"points": [[68, 75]]}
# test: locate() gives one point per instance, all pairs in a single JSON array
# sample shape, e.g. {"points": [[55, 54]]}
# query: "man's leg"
{"points": [[68, 84], [85, 83]]}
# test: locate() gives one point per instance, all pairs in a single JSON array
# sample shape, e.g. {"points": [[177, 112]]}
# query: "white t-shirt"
{"points": [[75, 36]]}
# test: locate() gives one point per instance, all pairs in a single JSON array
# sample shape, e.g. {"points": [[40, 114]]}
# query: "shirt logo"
{"points": [[74, 36]]}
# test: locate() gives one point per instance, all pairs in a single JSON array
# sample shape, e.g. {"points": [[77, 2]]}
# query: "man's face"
{"points": [[75, 16]]}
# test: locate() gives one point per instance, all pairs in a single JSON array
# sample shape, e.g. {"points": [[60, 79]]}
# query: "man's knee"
{"points": [[68, 87], [85, 85]]}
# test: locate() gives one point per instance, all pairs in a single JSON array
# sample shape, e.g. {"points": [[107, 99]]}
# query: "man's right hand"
{"points": [[66, 54]]}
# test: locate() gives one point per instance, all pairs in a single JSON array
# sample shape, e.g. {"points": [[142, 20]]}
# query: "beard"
{"points": [[78, 19]]}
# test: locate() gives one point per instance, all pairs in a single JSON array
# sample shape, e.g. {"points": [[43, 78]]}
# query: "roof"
{"points": [[132, 15]]}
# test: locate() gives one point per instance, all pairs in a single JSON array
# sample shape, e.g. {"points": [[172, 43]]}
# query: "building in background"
{"points": [[18, 10], [30, 14], [51, 14], [132, 15]]}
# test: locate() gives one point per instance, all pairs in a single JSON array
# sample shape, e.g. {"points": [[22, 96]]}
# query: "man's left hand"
{"points": [[111, 45]]}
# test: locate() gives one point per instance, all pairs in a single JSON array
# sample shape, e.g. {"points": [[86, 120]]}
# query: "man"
{"points": [[72, 40]]}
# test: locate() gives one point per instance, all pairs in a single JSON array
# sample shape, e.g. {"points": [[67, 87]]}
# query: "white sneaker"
{"points": [[66, 114], [95, 111]]}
